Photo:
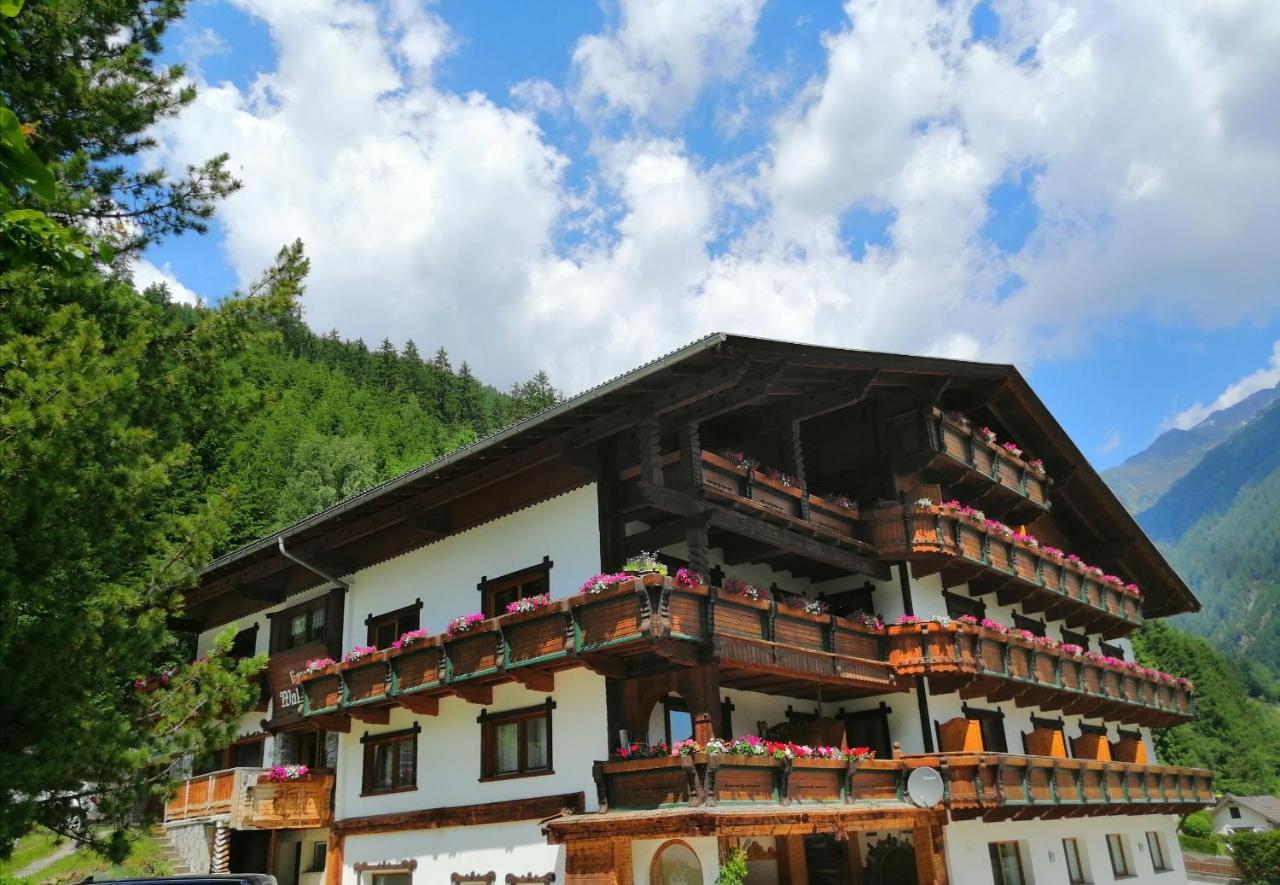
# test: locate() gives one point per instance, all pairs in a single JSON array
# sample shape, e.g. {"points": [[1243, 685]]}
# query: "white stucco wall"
{"points": [[444, 574], [1223, 822], [516, 848], [968, 858], [449, 751]]}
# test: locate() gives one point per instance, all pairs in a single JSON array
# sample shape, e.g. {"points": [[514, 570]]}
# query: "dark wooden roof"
{"points": [[725, 364]]}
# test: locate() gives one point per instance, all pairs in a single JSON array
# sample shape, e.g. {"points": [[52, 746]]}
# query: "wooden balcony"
{"points": [[956, 455], [993, 786], [1004, 786], [247, 800], [939, 540], [635, 627], [977, 662], [749, 511]]}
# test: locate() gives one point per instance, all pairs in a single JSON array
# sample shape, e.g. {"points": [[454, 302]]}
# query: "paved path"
{"points": [[36, 866]]}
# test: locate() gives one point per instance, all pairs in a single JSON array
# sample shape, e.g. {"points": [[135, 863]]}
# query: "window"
{"points": [[679, 720], [675, 863], [244, 644], [392, 878], [302, 625], [1119, 852], [1159, 859], [319, 852], [1075, 862], [248, 754], [391, 761], [1070, 637], [991, 724], [1022, 622], [1111, 650], [1006, 863], [958, 606], [500, 592], [869, 728], [1235, 812], [309, 750], [516, 743], [386, 629]]}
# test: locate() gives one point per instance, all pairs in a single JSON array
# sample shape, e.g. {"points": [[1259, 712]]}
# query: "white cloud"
{"points": [[147, 274], [1266, 377], [663, 52], [1110, 442], [1147, 129]]}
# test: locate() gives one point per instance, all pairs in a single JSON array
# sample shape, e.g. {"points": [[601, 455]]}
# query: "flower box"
{"points": [[649, 783], [719, 474], [323, 690], [733, 779], [686, 608], [364, 679], [415, 667], [854, 641], [829, 515], [775, 495], [535, 635], [1026, 563], [817, 780], [739, 615], [800, 629], [612, 616], [472, 654]]}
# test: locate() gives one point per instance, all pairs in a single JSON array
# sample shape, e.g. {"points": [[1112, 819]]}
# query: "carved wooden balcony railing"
{"points": [[977, 662], [994, 786], [1003, 786], [246, 799], [938, 539], [622, 631], [984, 473]]}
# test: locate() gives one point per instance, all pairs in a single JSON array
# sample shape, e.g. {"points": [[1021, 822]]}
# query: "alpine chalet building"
{"points": [[862, 615]]}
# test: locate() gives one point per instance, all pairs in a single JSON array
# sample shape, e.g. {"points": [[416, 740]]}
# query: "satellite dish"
{"points": [[924, 787]]}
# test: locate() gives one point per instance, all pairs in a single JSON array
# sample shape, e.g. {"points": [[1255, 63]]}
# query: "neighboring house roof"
{"points": [[1267, 806], [1095, 509]]}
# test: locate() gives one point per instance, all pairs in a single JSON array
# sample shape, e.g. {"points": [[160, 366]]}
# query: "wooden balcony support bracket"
{"points": [[474, 694], [379, 715], [535, 680]]}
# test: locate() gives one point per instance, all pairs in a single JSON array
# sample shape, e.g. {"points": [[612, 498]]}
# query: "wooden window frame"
{"points": [[1111, 650], [1034, 625], [370, 743], [1127, 871], [489, 723], [657, 857], [406, 618], [1156, 848], [490, 587], [1074, 638], [1070, 845], [958, 606], [993, 854], [988, 718], [880, 713], [282, 635]]}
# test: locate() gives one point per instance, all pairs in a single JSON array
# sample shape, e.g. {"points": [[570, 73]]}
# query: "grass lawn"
{"points": [[145, 859], [31, 847]]}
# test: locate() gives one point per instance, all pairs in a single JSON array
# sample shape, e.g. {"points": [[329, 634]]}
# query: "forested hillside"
{"points": [[1219, 524], [337, 418]]}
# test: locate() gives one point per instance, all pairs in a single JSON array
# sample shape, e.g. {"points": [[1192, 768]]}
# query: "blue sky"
{"points": [[580, 186]]}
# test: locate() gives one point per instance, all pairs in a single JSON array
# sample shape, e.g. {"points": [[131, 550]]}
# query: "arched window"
{"points": [[675, 863]]}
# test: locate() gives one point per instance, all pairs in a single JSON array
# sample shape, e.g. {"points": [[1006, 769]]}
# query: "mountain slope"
{"points": [[1144, 477], [1210, 488]]}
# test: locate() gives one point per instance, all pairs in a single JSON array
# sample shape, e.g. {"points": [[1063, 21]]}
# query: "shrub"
{"points": [[733, 867], [1201, 844], [1258, 856], [1198, 824]]}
